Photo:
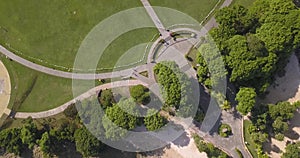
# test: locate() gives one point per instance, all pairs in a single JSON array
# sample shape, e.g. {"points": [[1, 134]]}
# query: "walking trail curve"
{"points": [[226, 144], [82, 97]]}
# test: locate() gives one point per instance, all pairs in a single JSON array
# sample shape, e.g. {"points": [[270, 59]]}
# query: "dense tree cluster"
{"points": [[292, 151], [270, 119], [176, 88], [211, 68], [170, 77], [86, 143], [257, 42], [53, 136]]}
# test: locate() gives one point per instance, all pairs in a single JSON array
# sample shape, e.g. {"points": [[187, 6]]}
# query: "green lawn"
{"points": [[251, 144], [245, 3], [33, 91], [52, 30], [123, 50], [197, 9]]}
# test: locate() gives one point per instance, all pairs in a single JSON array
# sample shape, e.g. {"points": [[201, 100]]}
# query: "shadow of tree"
{"points": [[269, 147], [183, 140]]}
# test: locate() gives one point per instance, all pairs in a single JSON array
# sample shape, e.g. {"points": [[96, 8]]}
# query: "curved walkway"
{"points": [[82, 97], [227, 145], [70, 75], [5, 89]]}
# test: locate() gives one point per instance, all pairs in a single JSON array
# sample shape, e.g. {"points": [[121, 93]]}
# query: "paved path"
{"points": [[226, 144], [232, 142], [157, 22], [70, 75], [83, 96]]}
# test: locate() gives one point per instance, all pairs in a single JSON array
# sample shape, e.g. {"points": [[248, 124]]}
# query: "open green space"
{"points": [[128, 49], [33, 91], [54, 29], [195, 8], [250, 144], [244, 3]]}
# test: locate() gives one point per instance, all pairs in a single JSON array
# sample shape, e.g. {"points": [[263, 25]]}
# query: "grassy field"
{"points": [[198, 9], [122, 50], [33, 91], [53, 30], [245, 3], [251, 144]]}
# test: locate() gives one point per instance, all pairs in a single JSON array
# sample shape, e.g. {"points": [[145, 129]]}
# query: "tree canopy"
{"points": [[87, 144], [106, 98], [246, 98], [292, 151], [140, 94], [154, 120], [257, 42]]}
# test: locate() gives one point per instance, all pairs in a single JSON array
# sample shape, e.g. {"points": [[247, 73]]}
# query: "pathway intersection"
{"points": [[181, 47]]}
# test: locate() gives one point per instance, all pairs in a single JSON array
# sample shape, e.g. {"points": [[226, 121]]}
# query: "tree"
{"points": [[249, 68], [292, 151], [175, 84], [86, 143], [123, 114], [119, 118], [45, 143], [140, 94], [154, 120], [106, 98], [113, 131], [29, 133], [10, 140], [211, 69], [279, 125], [237, 17], [285, 110], [259, 137], [246, 98]]}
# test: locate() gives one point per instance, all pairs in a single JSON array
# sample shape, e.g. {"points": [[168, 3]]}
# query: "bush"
{"points": [[225, 130], [140, 94], [106, 98]]}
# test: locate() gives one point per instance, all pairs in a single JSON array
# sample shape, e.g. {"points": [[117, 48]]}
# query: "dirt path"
{"points": [[286, 88]]}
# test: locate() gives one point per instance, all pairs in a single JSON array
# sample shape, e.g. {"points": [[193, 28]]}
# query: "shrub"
{"points": [[225, 130]]}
